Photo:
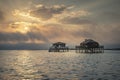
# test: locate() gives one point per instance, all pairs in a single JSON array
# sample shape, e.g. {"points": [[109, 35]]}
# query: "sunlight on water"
{"points": [[42, 65], [24, 65]]}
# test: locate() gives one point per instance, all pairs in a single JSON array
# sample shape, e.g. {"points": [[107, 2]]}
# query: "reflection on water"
{"points": [[24, 66], [42, 65]]}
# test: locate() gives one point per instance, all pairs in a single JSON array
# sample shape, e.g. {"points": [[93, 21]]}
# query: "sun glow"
{"points": [[22, 27], [26, 28], [23, 30]]}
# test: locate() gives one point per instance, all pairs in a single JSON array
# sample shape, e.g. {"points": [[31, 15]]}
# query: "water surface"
{"points": [[42, 65]]}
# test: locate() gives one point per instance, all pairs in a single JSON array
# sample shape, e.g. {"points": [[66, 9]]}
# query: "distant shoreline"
{"points": [[112, 49], [104, 49]]}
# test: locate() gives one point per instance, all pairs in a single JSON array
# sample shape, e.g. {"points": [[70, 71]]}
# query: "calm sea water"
{"points": [[42, 65]]}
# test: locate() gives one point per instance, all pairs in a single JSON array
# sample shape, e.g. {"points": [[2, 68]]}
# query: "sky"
{"points": [[36, 24]]}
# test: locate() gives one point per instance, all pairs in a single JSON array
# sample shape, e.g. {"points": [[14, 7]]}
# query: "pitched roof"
{"points": [[58, 43]]}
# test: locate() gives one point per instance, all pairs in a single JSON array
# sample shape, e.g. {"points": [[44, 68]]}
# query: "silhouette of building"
{"points": [[89, 46], [58, 47]]}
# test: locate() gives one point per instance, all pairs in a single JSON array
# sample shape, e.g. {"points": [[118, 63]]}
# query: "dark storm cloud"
{"points": [[75, 20], [23, 46], [45, 12], [19, 37], [12, 37]]}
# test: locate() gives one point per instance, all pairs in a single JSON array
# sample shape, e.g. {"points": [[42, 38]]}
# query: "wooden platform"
{"points": [[65, 49], [80, 49]]}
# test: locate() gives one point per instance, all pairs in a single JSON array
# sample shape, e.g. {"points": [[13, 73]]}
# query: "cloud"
{"points": [[2, 17], [110, 16], [45, 12], [22, 23], [79, 17], [20, 15], [76, 21], [16, 37]]}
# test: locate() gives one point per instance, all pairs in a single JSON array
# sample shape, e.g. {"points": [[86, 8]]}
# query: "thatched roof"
{"points": [[89, 43], [59, 43]]}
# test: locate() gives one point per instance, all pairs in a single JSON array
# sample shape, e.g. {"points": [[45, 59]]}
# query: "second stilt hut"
{"points": [[89, 46]]}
